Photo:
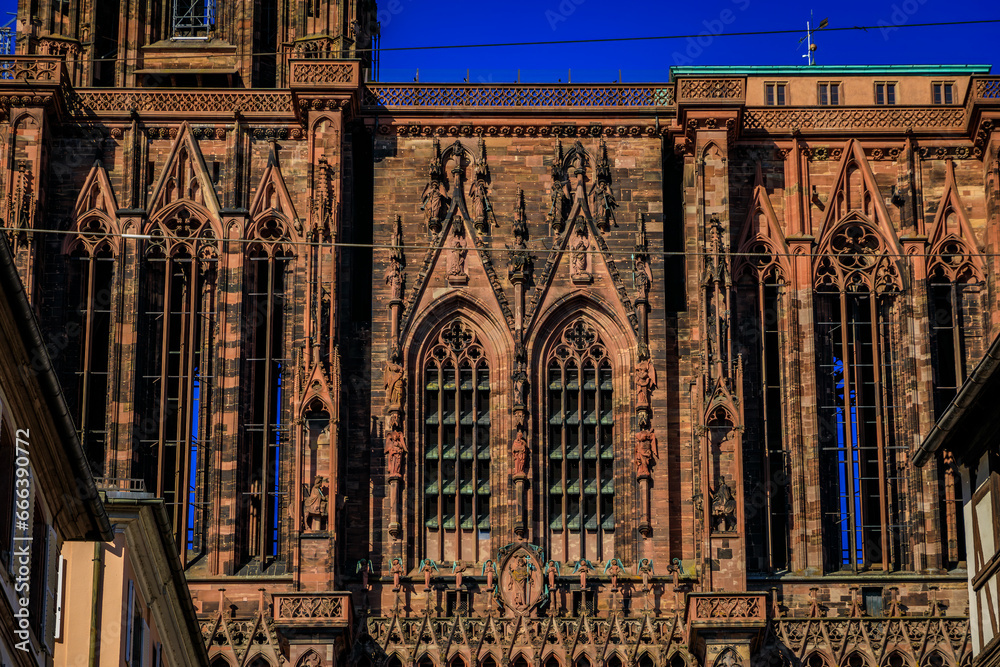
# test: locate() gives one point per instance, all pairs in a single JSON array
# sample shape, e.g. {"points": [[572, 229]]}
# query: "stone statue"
{"points": [[643, 277], [459, 570], [614, 569], [395, 450], [457, 252], [520, 383], [551, 570], [490, 572], [581, 248], [394, 279], [428, 566], [604, 205], [645, 382], [646, 452], [316, 505], [479, 196], [433, 199], [645, 569], [521, 451], [723, 507], [583, 566], [395, 383], [396, 570], [311, 660], [519, 583]]}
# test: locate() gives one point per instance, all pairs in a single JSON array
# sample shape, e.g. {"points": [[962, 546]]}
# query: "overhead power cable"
{"points": [[596, 40]]}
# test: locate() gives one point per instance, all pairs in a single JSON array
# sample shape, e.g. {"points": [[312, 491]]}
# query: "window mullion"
{"points": [[849, 426]]}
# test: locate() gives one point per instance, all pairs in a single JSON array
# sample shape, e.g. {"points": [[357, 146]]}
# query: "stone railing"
{"points": [[312, 608], [518, 95], [48, 69], [771, 120], [740, 607], [986, 88], [710, 90], [316, 73]]}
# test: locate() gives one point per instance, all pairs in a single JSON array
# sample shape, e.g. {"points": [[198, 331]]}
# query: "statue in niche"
{"points": [[646, 452], [519, 380], [433, 199], [580, 248], [723, 507], [490, 572], [254, 527], [604, 206], [646, 570], [521, 452], [395, 382], [395, 450], [643, 277], [645, 382], [519, 582], [481, 208], [457, 252], [394, 279], [315, 506]]}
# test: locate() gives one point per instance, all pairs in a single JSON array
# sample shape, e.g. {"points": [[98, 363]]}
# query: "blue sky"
{"points": [[426, 22]]}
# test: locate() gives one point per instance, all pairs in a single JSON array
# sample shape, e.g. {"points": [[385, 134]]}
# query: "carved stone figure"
{"points": [[580, 249], [490, 572], [428, 567], [613, 569], [519, 380], [311, 660], [457, 252], [521, 451], [433, 199], [479, 197], [643, 277], [397, 572], [519, 582], [551, 570], [723, 507], [645, 382], [395, 383], [315, 509], [394, 279], [646, 452], [459, 570], [646, 570], [395, 450], [583, 566], [604, 206]]}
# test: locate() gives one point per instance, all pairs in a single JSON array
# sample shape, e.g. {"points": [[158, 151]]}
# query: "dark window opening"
{"points": [[765, 457], [885, 92], [581, 485], [862, 493], [264, 429]]}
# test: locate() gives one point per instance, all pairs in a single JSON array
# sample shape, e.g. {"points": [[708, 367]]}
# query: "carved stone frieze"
{"points": [[920, 119]]}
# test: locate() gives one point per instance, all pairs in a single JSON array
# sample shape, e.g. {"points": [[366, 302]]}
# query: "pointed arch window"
{"points": [[91, 271], [266, 341], [176, 344], [580, 415], [456, 470], [760, 300], [956, 291], [857, 342]]}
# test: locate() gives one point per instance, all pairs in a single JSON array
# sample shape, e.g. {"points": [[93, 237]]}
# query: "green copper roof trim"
{"points": [[824, 70]]}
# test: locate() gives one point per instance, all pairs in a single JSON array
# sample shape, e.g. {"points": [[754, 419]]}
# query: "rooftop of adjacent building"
{"points": [[829, 70]]}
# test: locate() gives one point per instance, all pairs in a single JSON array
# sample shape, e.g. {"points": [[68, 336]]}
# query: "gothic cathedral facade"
{"points": [[453, 375]]}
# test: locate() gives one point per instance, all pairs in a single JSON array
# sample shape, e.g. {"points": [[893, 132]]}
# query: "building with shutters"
{"points": [[548, 374]]}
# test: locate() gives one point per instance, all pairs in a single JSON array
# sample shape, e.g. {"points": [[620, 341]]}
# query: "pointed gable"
{"points": [[953, 246], [184, 176], [272, 196], [856, 192], [96, 195], [761, 233]]}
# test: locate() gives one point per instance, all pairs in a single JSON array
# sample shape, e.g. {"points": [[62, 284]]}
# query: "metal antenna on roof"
{"points": [[811, 50], [7, 36]]}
